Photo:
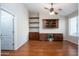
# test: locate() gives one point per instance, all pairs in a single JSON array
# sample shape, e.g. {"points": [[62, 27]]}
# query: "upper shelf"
{"points": [[33, 17], [33, 22]]}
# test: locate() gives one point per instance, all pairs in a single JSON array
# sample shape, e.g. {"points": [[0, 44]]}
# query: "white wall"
{"points": [[21, 28], [46, 15], [33, 14], [71, 38]]}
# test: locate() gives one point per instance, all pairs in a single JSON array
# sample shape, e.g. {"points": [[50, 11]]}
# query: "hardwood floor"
{"points": [[44, 48]]}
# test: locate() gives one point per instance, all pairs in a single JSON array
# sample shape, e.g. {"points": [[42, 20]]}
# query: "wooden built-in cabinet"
{"points": [[33, 35], [33, 28], [56, 36], [44, 36], [50, 23]]}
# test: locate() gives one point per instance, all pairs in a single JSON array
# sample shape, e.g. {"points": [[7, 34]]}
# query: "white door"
{"points": [[7, 36]]}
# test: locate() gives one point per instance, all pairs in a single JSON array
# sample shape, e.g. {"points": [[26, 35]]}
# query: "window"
{"points": [[73, 26]]}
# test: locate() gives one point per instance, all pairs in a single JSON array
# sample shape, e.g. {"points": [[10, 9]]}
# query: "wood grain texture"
{"points": [[50, 23], [33, 35], [44, 48], [56, 36]]}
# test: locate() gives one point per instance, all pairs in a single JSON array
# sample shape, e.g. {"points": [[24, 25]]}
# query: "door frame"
{"points": [[13, 25]]}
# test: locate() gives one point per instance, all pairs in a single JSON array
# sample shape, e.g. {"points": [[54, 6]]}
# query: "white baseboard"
{"points": [[21, 45]]}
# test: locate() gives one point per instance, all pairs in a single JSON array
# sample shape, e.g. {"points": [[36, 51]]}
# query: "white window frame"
{"points": [[76, 34]]}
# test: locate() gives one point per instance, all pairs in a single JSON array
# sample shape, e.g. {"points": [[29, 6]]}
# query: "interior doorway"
{"points": [[7, 30]]}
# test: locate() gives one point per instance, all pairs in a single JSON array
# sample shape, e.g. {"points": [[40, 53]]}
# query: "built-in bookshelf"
{"points": [[50, 23], [34, 24]]}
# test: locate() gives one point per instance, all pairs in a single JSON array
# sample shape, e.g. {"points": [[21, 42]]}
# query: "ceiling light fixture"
{"points": [[52, 13], [52, 10]]}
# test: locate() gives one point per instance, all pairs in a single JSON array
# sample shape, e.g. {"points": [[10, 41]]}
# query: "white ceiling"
{"points": [[67, 8]]}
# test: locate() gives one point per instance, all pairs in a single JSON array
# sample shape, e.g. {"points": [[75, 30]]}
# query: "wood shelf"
{"points": [[33, 27], [33, 17], [34, 22]]}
